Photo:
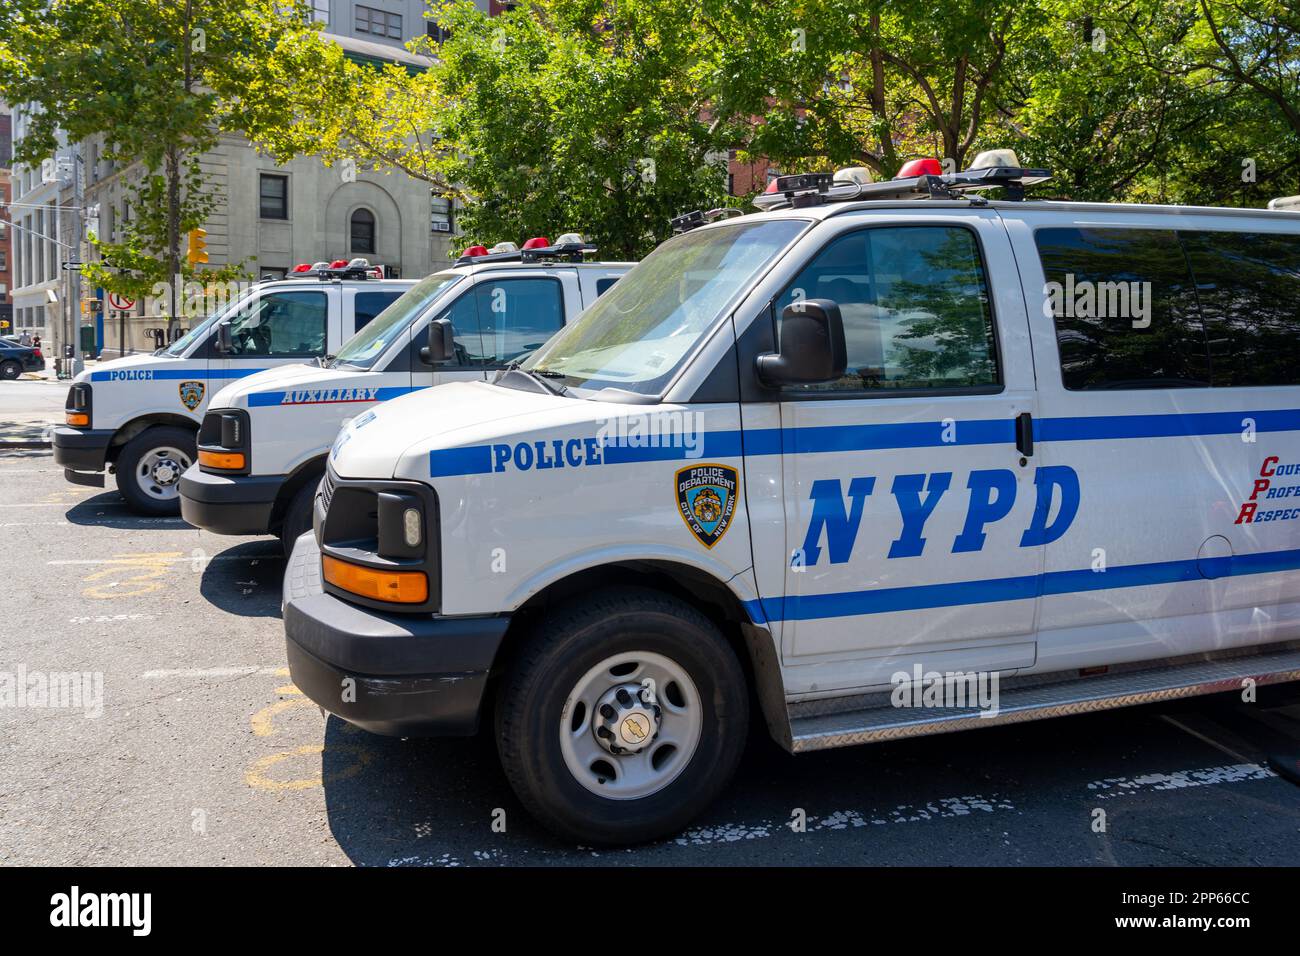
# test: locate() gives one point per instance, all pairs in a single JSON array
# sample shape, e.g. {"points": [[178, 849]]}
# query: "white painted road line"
{"points": [[204, 672], [1180, 779]]}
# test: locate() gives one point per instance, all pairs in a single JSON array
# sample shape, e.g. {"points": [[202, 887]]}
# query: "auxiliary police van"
{"points": [[875, 467], [138, 415], [262, 446]]}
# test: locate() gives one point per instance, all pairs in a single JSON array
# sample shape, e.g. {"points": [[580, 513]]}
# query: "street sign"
{"points": [[120, 302]]}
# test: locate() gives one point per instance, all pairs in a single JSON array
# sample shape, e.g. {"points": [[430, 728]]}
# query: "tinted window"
{"points": [[1249, 290], [915, 305], [273, 196], [367, 305], [1124, 308], [513, 317], [602, 285], [281, 324]]}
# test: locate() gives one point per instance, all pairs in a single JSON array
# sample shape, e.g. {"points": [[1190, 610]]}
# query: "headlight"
{"points": [[224, 441]]}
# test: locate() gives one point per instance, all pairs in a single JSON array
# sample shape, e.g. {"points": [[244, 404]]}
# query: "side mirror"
{"points": [[442, 343], [224, 344], [812, 347]]}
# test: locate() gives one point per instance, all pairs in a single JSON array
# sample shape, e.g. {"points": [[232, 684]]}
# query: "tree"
{"points": [[159, 80], [863, 83], [557, 116]]}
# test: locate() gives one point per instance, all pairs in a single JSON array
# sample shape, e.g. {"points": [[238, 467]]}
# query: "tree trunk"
{"points": [[172, 170]]}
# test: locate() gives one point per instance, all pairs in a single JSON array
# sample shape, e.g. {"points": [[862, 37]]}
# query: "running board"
{"points": [[1016, 704]]}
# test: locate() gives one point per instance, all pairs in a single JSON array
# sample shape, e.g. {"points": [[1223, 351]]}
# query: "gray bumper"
{"points": [[395, 674]]}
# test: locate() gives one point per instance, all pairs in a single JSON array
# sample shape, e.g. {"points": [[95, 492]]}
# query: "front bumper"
{"points": [[229, 504], [82, 449], [411, 675]]}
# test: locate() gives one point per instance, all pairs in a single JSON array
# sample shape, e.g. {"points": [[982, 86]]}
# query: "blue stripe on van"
{"points": [[842, 438], [811, 607], [125, 374], [260, 399]]}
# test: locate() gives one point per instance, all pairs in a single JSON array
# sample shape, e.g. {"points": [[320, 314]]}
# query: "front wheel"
{"points": [[623, 716], [10, 370], [297, 516], [150, 466]]}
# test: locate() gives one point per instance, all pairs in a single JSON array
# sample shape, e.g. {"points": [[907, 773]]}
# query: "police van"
{"points": [[262, 446], [138, 415], [885, 459]]}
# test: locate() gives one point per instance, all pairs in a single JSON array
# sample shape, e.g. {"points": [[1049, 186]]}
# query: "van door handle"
{"points": [[1025, 434]]}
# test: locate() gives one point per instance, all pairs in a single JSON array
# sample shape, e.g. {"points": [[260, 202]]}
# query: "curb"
{"points": [[17, 445]]}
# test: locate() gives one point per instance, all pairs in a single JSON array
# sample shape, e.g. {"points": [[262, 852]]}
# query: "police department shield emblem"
{"points": [[191, 394], [706, 500]]}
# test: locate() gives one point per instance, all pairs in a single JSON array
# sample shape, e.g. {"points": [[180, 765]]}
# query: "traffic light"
{"points": [[198, 247]]}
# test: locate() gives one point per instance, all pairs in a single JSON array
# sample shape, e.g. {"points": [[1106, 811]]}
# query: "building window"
{"points": [[379, 23], [274, 194], [436, 33], [441, 215], [320, 11], [363, 231]]}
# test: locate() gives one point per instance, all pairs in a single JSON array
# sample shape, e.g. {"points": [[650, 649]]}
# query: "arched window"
{"points": [[363, 231]]}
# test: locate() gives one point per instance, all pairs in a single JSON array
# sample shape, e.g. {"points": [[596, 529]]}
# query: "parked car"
{"points": [[16, 358]]}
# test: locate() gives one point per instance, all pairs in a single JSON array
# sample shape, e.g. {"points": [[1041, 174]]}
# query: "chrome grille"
{"points": [[327, 488]]}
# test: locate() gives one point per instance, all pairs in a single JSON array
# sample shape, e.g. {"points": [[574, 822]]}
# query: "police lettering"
{"points": [[130, 375], [548, 453]]}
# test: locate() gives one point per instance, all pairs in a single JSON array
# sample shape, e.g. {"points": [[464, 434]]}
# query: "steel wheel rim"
{"points": [[676, 736], [159, 472]]}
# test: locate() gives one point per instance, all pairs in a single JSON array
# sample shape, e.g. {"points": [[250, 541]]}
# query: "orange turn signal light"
{"points": [[77, 418], [230, 460], [400, 587]]}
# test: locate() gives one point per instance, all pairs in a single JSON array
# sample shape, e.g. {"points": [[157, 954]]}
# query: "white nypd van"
{"points": [[262, 446], [138, 415], [881, 467]]}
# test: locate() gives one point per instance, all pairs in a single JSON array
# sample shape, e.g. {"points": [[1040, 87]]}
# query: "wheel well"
{"points": [[308, 472], [753, 645], [138, 425]]}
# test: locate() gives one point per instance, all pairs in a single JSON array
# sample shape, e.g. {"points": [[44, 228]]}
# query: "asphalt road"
{"points": [[202, 752]]}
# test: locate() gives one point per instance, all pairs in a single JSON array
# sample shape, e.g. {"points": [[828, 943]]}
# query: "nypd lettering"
{"points": [[329, 396], [991, 493]]}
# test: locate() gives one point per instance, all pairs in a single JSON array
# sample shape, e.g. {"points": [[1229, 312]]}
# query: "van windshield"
{"points": [[637, 335], [366, 346]]}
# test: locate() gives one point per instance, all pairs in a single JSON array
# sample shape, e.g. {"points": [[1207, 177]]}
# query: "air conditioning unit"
{"points": [[441, 226]]}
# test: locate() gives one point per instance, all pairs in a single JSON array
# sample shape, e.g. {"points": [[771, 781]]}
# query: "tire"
{"points": [[541, 739], [10, 370], [297, 517], [149, 468]]}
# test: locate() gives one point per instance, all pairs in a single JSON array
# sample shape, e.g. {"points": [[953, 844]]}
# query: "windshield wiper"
{"points": [[540, 376], [324, 361]]}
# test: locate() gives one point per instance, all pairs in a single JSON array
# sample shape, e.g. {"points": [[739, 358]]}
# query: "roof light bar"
{"points": [[811, 189]]}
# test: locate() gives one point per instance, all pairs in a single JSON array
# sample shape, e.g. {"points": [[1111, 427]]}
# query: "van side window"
{"points": [[1249, 289], [915, 305], [604, 285], [367, 305], [280, 325], [1124, 307], [515, 316]]}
